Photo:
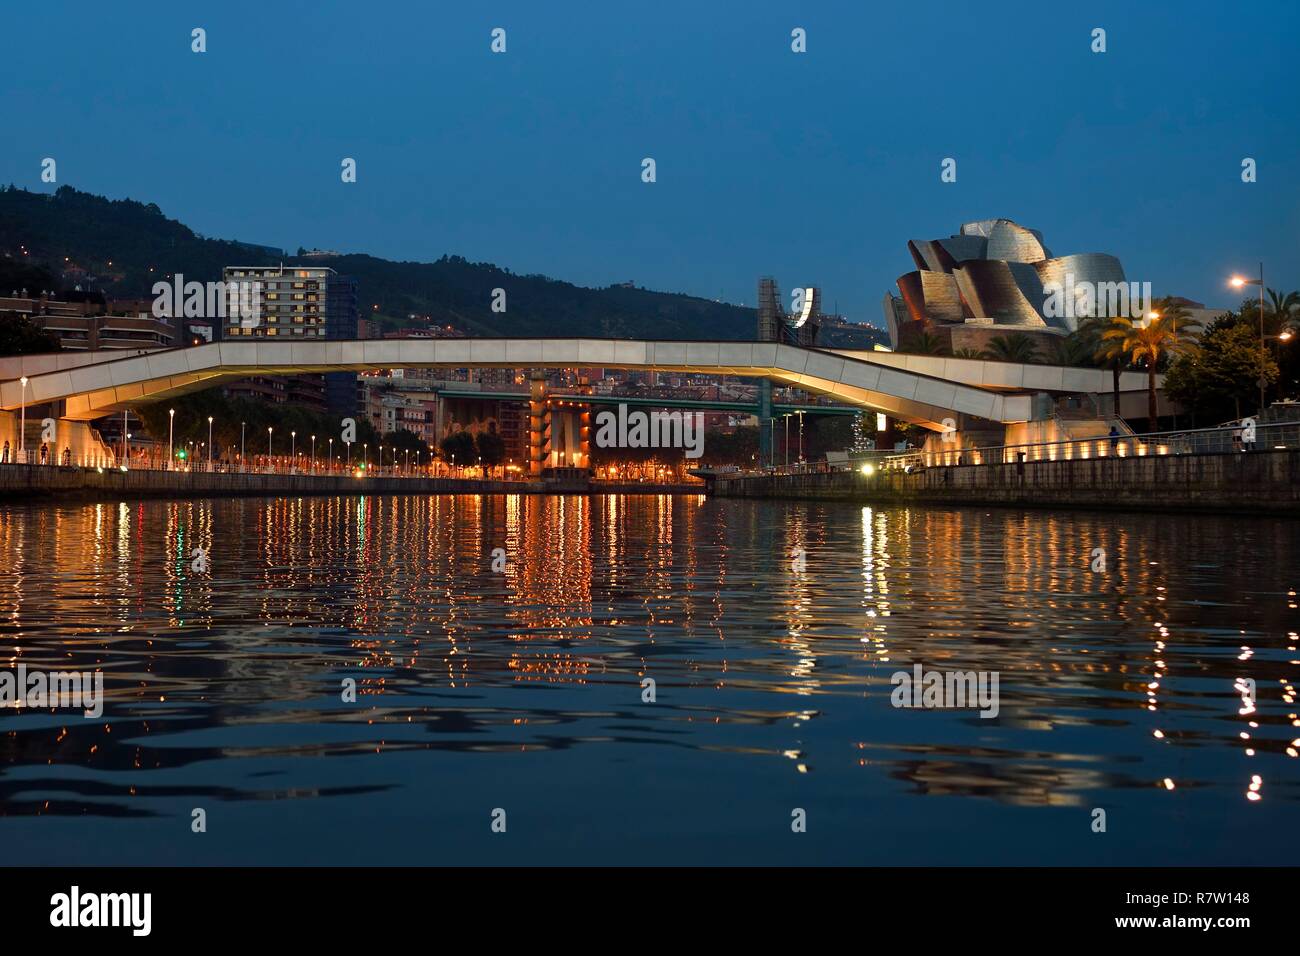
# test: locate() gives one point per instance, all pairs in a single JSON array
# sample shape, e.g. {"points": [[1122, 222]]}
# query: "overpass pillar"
{"points": [[538, 389], [764, 421]]}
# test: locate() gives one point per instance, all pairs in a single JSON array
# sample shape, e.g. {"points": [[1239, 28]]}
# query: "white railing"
{"points": [[1200, 441]]}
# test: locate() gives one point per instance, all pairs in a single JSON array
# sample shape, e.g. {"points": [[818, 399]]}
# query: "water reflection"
{"points": [[770, 629]]}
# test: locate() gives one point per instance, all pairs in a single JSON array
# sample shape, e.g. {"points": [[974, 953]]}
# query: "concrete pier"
{"points": [[1260, 482], [53, 483]]}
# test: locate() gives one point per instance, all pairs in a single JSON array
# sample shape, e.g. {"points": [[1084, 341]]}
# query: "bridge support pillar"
{"points": [[538, 423], [765, 421]]}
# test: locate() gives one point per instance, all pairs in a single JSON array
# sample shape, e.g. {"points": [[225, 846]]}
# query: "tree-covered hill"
{"points": [[125, 246]]}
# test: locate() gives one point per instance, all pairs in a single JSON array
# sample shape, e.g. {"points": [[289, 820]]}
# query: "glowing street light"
{"points": [[209, 443], [171, 422], [1238, 282], [22, 427]]}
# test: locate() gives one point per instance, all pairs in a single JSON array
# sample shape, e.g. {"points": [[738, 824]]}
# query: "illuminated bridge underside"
{"points": [[94, 390]]}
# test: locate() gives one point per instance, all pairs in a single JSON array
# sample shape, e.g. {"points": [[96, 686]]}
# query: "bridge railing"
{"points": [[1198, 441]]}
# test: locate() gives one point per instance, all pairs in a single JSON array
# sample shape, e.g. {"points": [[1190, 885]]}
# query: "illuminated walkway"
{"points": [[93, 387]]}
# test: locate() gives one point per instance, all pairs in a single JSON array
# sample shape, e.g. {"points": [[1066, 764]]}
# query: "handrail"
{"points": [[1179, 442]]}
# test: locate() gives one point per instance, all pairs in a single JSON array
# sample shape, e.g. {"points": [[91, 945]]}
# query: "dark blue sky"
{"points": [[815, 168]]}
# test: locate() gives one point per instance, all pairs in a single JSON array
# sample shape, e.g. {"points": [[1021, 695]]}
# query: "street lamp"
{"points": [[209, 443], [800, 414], [269, 428], [1238, 282], [331, 454], [22, 427], [293, 451], [171, 422], [313, 454], [241, 447], [786, 416]]}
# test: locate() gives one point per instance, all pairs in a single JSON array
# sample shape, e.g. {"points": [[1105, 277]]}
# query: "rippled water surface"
{"points": [[1120, 690]]}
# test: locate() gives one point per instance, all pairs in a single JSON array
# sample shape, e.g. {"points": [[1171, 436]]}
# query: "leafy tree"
{"points": [[403, 439], [459, 447], [491, 448], [1222, 368], [20, 336], [228, 414], [737, 447]]}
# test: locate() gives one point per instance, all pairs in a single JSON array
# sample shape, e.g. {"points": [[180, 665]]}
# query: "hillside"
{"points": [[125, 246]]}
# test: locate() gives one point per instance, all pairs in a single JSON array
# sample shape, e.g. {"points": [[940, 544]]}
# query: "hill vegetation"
{"points": [[122, 247]]}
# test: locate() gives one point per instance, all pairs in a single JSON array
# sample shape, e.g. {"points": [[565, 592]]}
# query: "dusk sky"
{"points": [[816, 167]]}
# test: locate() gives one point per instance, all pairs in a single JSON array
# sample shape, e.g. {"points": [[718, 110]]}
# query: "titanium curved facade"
{"points": [[1014, 243], [932, 293], [991, 289], [1096, 274], [995, 273]]}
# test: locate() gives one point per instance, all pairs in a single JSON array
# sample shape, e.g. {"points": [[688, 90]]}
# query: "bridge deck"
{"points": [[863, 380]]}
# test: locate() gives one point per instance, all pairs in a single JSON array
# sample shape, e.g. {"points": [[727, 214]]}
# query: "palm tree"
{"points": [[1162, 334], [967, 354], [1109, 351], [1016, 347], [925, 343], [1078, 348], [1284, 305]]}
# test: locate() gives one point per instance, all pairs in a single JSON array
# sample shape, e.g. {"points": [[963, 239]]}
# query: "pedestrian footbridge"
{"points": [[914, 388]]}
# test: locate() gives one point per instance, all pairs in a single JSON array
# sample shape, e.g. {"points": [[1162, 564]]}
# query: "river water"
{"points": [[510, 693]]}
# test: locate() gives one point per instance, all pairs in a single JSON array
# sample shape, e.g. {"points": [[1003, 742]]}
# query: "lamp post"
{"points": [[269, 429], [800, 414], [171, 422], [1237, 282], [331, 454], [209, 443], [22, 416], [293, 452], [313, 454], [241, 447]]}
